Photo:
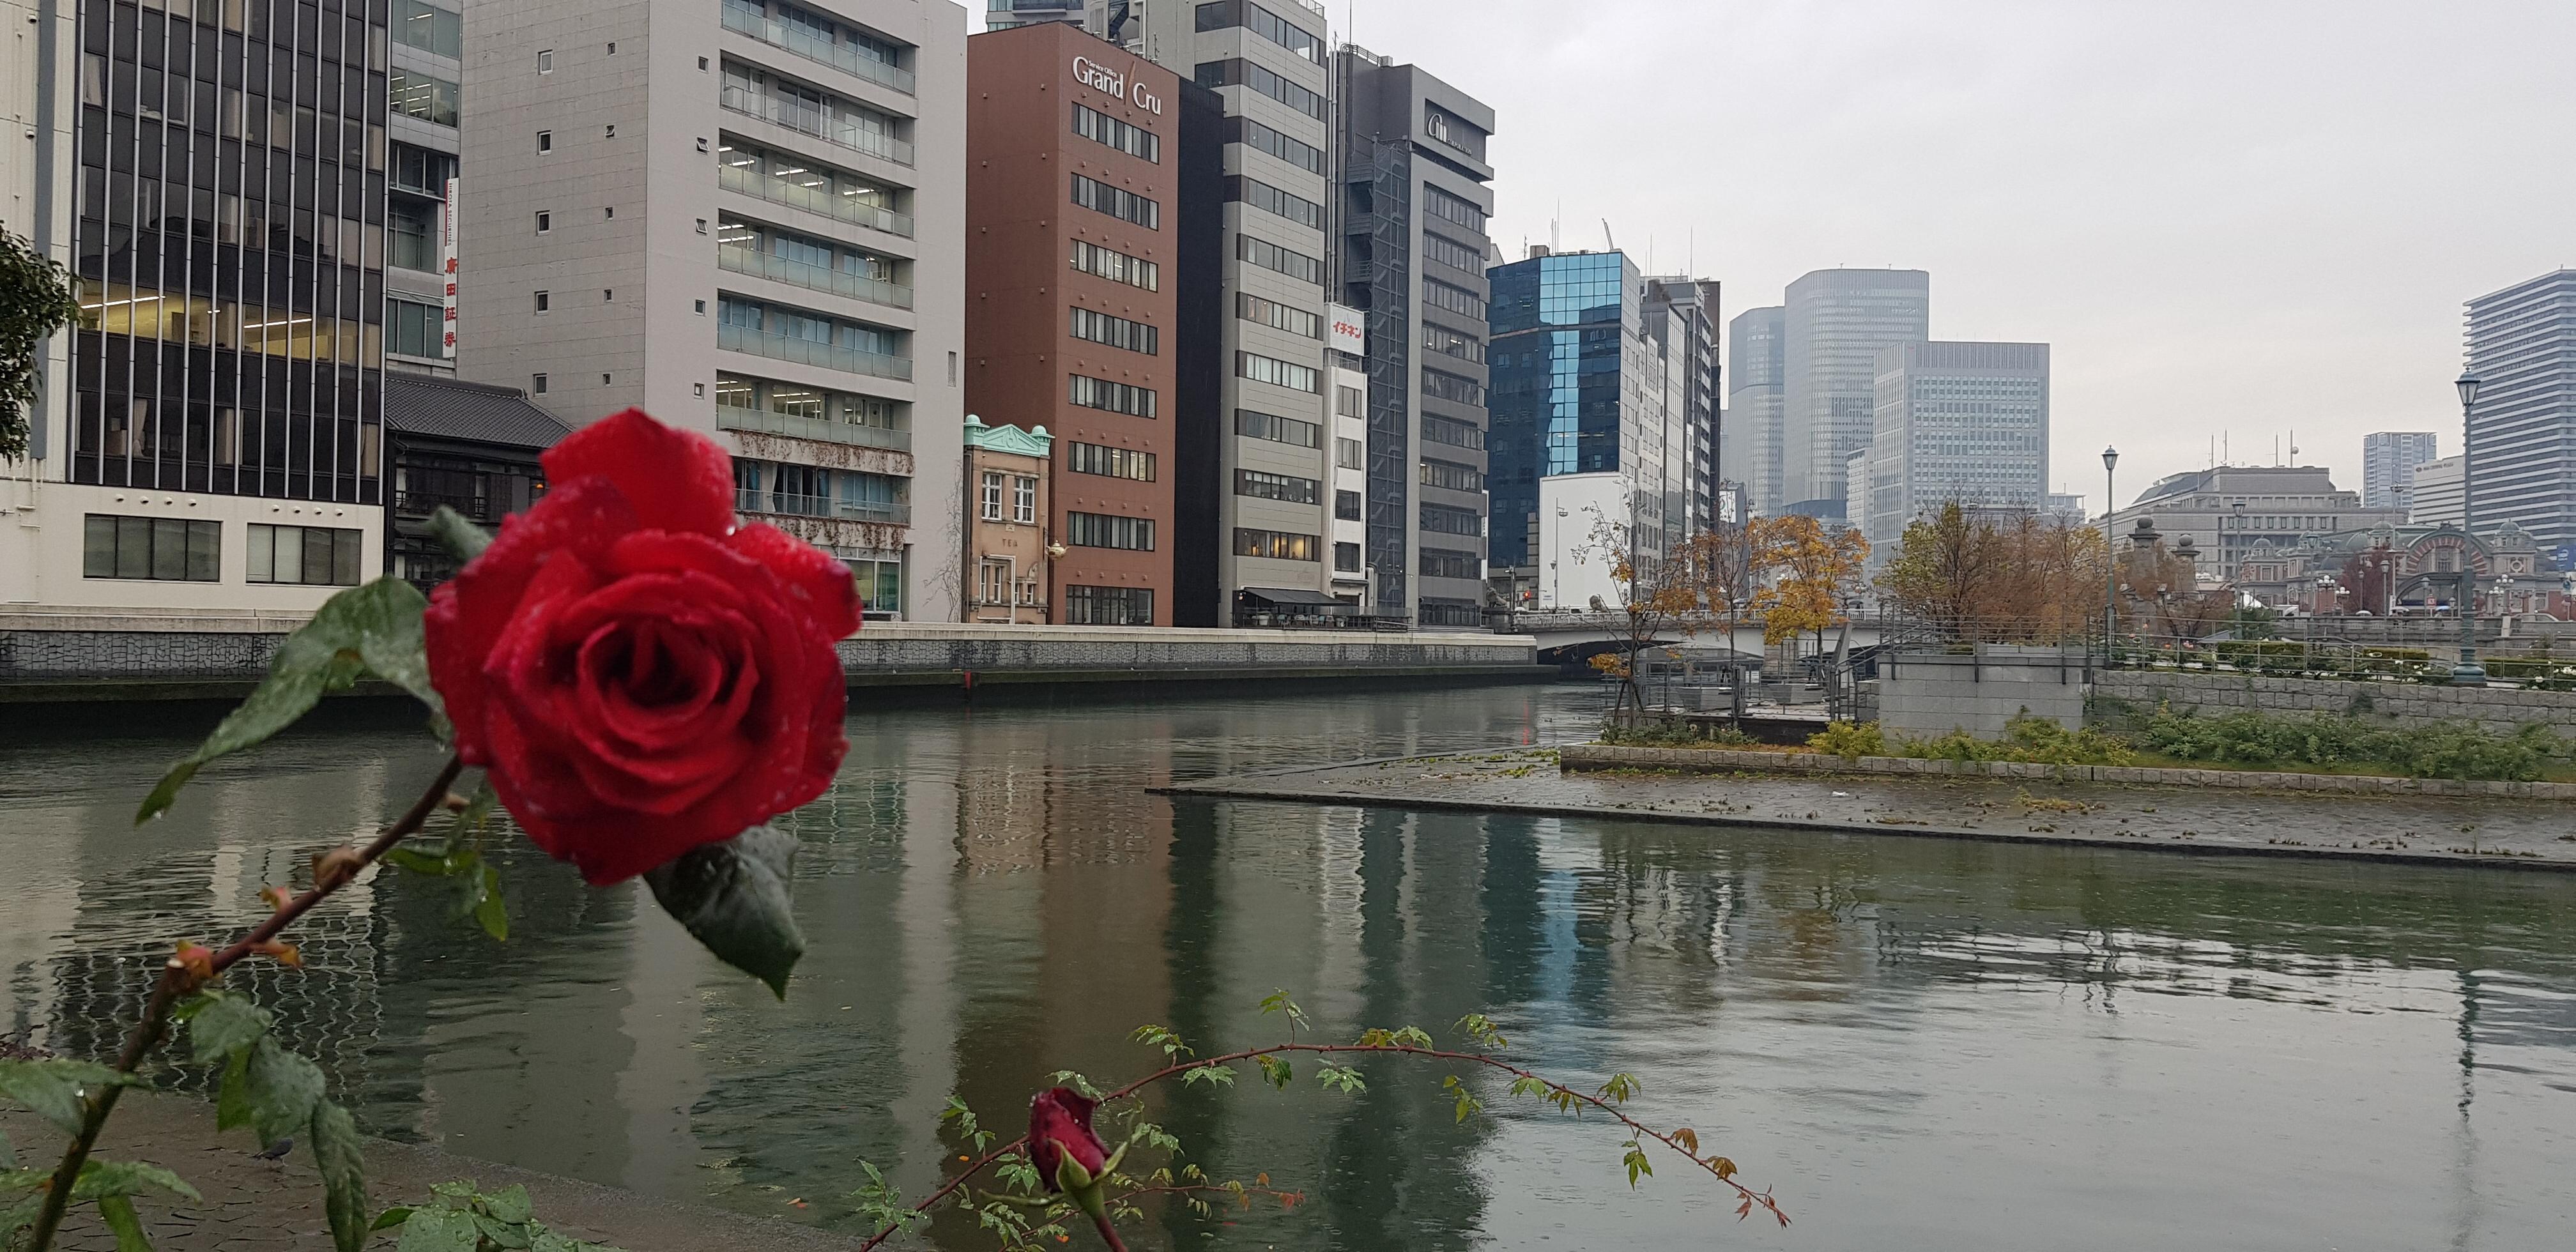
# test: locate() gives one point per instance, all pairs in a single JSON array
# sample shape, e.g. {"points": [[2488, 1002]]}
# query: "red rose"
{"points": [[638, 676], [1060, 1128]]}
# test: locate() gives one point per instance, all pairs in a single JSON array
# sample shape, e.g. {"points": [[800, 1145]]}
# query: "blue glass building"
{"points": [[1578, 389]]}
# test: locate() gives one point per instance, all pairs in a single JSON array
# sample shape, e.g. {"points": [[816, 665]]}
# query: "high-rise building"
{"points": [[1346, 369], [1956, 423], [1754, 396], [1586, 445], [1833, 326], [1410, 217], [1076, 267], [1010, 14], [747, 218], [2437, 497], [2521, 446], [214, 178], [1682, 312], [1269, 65], [421, 125], [2388, 461]]}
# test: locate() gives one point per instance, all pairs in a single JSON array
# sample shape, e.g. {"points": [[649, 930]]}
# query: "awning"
{"points": [[1281, 595]]}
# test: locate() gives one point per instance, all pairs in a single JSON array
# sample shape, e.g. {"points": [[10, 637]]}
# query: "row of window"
{"points": [[1283, 487], [1117, 332], [1237, 72], [1109, 530], [1277, 429], [1455, 433], [1117, 202], [1457, 300], [1440, 385], [1295, 321], [1277, 373], [738, 395], [1009, 497], [1100, 393], [1447, 342], [1442, 519], [1252, 134], [1108, 606], [1271, 256], [1092, 458], [1117, 267], [1225, 14], [1441, 204], [817, 491], [171, 549], [801, 107], [1277, 545], [1450, 252], [1446, 563], [1451, 475], [1271, 200], [1133, 140]]}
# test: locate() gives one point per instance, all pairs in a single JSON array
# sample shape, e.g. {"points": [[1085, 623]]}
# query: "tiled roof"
{"points": [[418, 405]]}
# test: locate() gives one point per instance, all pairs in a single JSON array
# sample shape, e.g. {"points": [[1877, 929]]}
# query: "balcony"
{"points": [[809, 352], [758, 264], [424, 503], [843, 59], [810, 121], [749, 500], [821, 430], [795, 196]]}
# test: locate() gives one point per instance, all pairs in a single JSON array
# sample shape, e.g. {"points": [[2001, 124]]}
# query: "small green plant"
{"points": [[1850, 740], [1677, 734], [459, 1217], [2460, 750]]}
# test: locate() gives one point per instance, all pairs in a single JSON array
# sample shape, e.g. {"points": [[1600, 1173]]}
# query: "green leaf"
{"points": [[283, 1088], [375, 627], [391, 1218], [344, 1175], [438, 1230], [1212, 1074], [494, 916], [1342, 1078], [222, 1025], [415, 861], [232, 1101], [510, 1204], [463, 539], [118, 1212], [19, 1216], [113, 1178], [733, 897], [54, 1090], [1637, 1164], [1278, 1070], [511, 1235]]}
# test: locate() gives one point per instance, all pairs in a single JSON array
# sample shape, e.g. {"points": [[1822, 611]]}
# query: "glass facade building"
{"points": [[1833, 325], [2521, 448], [1963, 423]]}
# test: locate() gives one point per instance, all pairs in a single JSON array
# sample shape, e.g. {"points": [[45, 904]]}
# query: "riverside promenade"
{"points": [[2508, 832]]}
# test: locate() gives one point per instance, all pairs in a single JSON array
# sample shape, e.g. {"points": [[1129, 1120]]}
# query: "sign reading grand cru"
{"points": [[1114, 83]]}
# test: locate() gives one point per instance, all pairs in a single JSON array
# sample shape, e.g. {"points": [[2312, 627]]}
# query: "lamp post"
{"points": [[2468, 673], [2110, 563]]}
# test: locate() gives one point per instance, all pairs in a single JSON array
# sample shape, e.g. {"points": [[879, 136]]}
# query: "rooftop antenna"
{"points": [[1552, 223], [1611, 244]]}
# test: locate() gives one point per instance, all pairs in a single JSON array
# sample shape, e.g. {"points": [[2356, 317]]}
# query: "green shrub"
{"points": [[2460, 750], [1677, 734], [1850, 740]]}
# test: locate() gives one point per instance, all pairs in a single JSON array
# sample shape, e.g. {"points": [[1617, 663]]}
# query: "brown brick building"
{"points": [[1073, 182]]}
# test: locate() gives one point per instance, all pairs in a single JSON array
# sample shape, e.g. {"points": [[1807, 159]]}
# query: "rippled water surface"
{"points": [[1919, 1043]]}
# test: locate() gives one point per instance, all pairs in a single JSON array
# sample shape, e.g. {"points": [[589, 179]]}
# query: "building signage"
{"points": [[447, 272], [1349, 332], [1113, 83]]}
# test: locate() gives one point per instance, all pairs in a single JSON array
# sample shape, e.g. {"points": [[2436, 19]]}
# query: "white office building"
{"points": [[2437, 499], [1955, 423], [2388, 461]]}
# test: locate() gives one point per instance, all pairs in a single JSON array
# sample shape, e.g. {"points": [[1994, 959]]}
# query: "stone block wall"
{"points": [[1924, 694], [2122, 697]]}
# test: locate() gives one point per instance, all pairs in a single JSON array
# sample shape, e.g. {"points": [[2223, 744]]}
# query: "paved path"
{"points": [[2524, 834], [264, 1206]]}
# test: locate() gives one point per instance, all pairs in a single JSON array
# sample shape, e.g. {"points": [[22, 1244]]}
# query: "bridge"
{"points": [[1564, 638]]}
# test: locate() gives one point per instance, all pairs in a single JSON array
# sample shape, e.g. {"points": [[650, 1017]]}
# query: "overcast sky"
{"points": [[2226, 216]]}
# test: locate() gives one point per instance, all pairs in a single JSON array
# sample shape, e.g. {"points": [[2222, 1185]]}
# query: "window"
{"points": [[1450, 252], [993, 496], [1346, 506], [1277, 373], [1252, 308], [411, 235], [1350, 402], [421, 170], [408, 92], [702, 308], [545, 141], [1269, 199], [1261, 486], [1092, 458], [1100, 393], [1277, 429], [1124, 205], [609, 213], [1117, 332], [1242, 73], [1091, 258], [1455, 299], [1346, 558], [609, 131], [163, 549], [1276, 545], [993, 582], [1104, 530], [1441, 204], [1108, 606], [1442, 519], [1446, 563], [1350, 454], [1271, 256], [537, 384], [1024, 498], [1455, 433], [1254, 135], [1455, 343], [546, 61], [1450, 387], [545, 222], [412, 327], [1452, 475], [1261, 21], [1449, 613], [313, 556], [543, 299], [1132, 140]]}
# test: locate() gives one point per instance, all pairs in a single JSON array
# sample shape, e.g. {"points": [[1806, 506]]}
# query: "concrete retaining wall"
{"points": [[1923, 694], [2125, 695], [1727, 761]]}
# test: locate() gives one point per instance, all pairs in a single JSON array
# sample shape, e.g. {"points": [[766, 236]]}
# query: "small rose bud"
{"points": [[197, 959], [285, 953], [274, 897], [1070, 1157], [336, 866]]}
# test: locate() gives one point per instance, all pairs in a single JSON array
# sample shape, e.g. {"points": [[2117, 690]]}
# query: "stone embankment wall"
{"points": [[2121, 697], [1926, 694], [1729, 761]]}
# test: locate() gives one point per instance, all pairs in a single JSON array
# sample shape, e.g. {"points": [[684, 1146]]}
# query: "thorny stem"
{"points": [[177, 981], [1109, 1234], [1752, 1198]]}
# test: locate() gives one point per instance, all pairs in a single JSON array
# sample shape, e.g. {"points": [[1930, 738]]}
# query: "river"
{"points": [[1917, 1043]]}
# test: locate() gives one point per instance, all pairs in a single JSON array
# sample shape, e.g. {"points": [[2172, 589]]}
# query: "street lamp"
{"points": [[2110, 565], [2467, 673]]}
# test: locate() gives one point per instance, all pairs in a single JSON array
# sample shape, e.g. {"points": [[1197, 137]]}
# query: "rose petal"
{"points": [[827, 587], [468, 614], [679, 478]]}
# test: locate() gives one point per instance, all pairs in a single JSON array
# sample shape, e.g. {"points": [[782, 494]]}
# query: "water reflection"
{"points": [[1922, 1042]]}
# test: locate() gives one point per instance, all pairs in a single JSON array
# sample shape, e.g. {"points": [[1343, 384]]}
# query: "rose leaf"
{"points": [[375, 627], [344, 1175], [463, 539], [56, 1090], [733, 897]]}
